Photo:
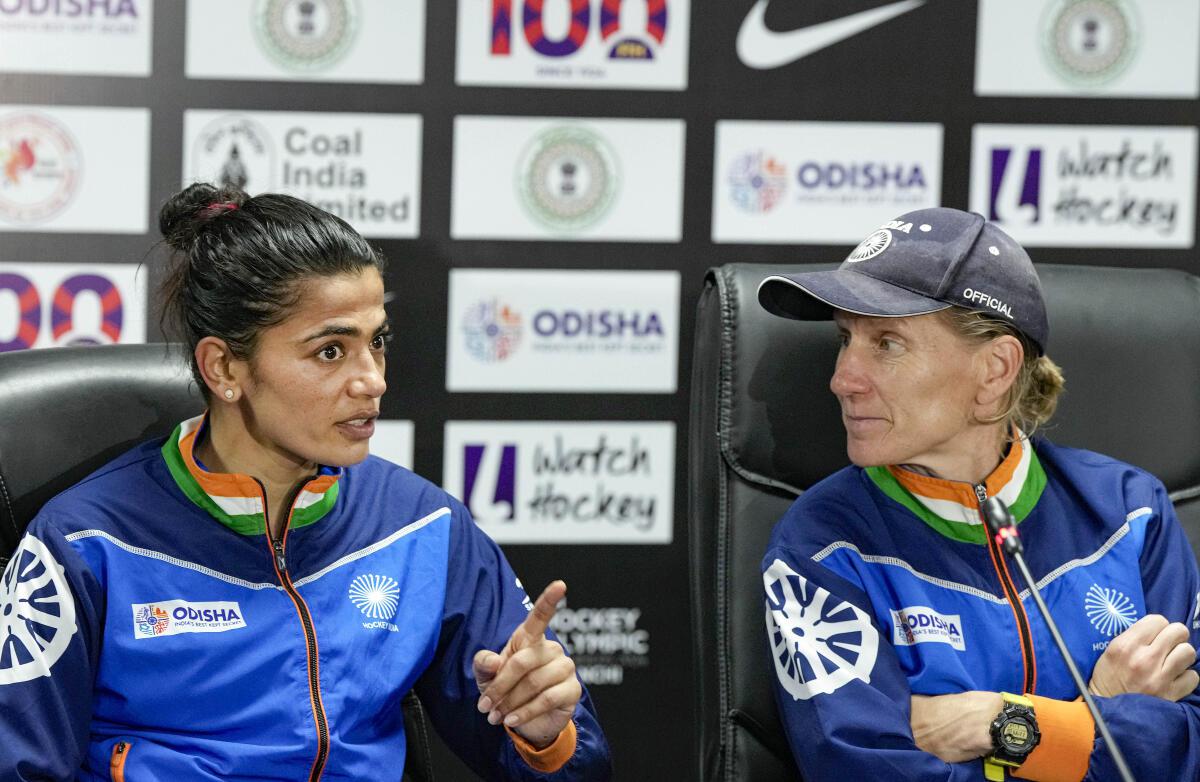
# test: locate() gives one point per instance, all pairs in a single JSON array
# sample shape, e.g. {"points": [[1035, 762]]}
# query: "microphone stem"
{"points": [[1113, 749]]}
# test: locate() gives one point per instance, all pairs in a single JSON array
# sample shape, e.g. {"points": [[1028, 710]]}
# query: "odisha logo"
{"points": [[757, 182], [871, 246], [492, 330], [37, 613], [151, 620], [818, 642], [376, 596], [235, 152], [621, 46], [567, 178], [39, 167], [71, 8], [306, 34], [1090, 42], [1110, 611]]}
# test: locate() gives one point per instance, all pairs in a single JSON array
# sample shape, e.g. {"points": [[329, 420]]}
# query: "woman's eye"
{"points": [[381, 341], [331, 352], [887, 345]]}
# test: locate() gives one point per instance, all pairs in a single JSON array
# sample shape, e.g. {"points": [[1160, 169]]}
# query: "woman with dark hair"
{"points": [[254, 596], [902, 645]]}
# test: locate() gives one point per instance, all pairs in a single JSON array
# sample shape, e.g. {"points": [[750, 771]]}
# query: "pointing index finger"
{"points": [[534, 626]]}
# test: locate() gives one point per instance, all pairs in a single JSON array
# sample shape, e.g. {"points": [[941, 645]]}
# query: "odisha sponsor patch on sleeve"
{"points": [[921, 624], [173, 617]]}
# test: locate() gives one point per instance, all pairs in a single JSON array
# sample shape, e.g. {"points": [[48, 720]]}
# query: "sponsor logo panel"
{"points": [[922, 624], [393, 440], [176, 617], [374, 41], [540, 330], [631, 44], [364, 168], [63, 304], [1095, 48], [1088, 186], [565, 482], [567, 179], [605, 643], [88, 37], [791, 182], [73, 169]]}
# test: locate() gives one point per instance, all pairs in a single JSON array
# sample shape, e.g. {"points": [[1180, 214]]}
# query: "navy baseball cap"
{"points": [[921, 262]]}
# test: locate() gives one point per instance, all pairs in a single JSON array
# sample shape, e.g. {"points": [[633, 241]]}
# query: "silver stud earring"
{"points": [[229, 394]]}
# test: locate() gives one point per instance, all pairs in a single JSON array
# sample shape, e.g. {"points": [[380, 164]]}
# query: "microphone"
{"points": [[1004, 531]]}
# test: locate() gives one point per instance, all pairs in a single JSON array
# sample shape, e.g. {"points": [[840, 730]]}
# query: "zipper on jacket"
{"points": [[116, 765], [1010, 591], [310, 633]]}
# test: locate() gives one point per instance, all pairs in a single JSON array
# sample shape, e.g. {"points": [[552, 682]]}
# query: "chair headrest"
{"points": [[1128, 341]]}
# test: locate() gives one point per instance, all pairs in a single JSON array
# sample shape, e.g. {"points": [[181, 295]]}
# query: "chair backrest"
{"points": [[765, 427], [66, 412]]}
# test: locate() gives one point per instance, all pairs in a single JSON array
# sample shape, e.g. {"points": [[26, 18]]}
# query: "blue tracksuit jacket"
{"points": [[149, 628], [880, 584]]}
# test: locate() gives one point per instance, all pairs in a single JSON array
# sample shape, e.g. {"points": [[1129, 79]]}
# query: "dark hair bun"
{"points": [[187, 212]]}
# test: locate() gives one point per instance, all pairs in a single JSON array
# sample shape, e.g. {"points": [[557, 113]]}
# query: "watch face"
{"points": [[1016, 734]]}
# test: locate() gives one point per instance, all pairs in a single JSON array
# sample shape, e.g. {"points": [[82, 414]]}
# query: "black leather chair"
{"points": [[765, 427], [65, 412]]}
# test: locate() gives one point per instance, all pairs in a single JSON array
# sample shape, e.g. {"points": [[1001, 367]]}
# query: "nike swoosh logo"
{"points": [[760, 47]]}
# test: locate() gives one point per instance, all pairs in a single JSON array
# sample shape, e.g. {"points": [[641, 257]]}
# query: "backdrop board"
{"points": [[549, 180]]}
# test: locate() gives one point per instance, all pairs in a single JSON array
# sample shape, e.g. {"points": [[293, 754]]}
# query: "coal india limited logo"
{"points": [[1090, 42], [376, 596], [37, 613], [757, 182], [40, 167], [234, 151], [1110, 611], [306, 35], [492, 330], [819, 642], [567, 178]]}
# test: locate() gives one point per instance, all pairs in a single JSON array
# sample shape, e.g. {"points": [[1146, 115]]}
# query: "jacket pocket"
{"points": [[116, 765]]}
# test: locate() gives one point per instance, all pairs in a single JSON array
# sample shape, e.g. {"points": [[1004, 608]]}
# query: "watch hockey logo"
{"points": [[819, 643]]}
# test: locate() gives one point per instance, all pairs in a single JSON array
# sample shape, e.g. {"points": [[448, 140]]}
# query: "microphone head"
{"points": [[996, 515]]}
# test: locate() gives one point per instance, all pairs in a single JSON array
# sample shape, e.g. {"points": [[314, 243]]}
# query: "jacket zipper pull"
{"points": [[280, 562], [981, 494]]}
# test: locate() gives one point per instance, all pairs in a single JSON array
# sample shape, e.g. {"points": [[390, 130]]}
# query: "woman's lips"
{"points": [[357, 429], [861, 425]]}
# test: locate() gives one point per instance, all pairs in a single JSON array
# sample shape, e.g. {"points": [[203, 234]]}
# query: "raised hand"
{"points": [[1152, 657], [530, 685]]}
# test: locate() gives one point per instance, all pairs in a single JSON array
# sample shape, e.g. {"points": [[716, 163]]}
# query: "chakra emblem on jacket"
{"points": [[376, 596], [1110, 611]]}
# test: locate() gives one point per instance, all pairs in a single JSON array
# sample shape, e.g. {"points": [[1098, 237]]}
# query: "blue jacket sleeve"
{"points": [[51, 614], [485, 602], [843, 699], [1160, 739]]}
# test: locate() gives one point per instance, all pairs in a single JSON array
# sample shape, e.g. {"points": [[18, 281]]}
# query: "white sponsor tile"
{"points": [[364, 168], [542, 330], [631, 44], [393, 440], [1093, 48], [1087, 185], [74, 169], [87, 37], [564, 482], [371, 41], [63, 304], [567, 179], [820, 182]]}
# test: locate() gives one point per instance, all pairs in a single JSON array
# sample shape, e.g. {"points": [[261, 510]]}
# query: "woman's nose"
{"points": [[369, 382], [848, 376]]}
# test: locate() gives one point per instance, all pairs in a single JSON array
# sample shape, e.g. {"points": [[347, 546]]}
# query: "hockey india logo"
{"points": [[40, 167], [37, 613], [567, 178], [1090, 42], [871, 246], [819, 642], [376, 596], [1109, 611], [306, 35]]}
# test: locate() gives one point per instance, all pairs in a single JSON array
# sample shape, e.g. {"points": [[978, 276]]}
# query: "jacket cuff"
{"points": [[1068, 733], [553, 757]]}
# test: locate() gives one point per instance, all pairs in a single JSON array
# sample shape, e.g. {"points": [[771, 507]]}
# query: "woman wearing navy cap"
{"points": [[903, 646]]}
